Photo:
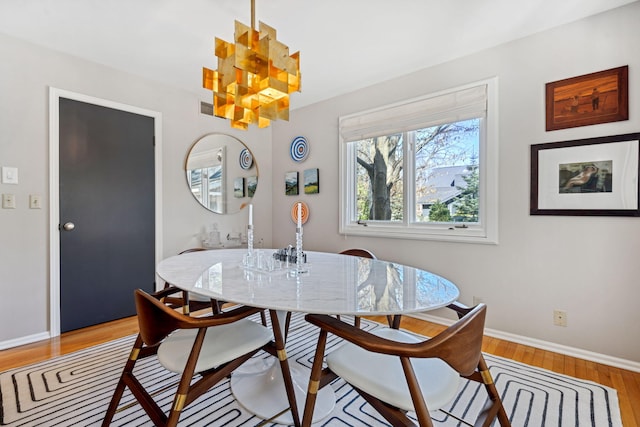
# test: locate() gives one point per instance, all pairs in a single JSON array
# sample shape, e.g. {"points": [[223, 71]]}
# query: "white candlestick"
{"points": [[299, 215], [251, 214]]}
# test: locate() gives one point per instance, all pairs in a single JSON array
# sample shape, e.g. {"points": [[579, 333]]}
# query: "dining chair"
{"points": [[192, 303], [397, 372], [195, 302], [364, 253], [208, 348]]}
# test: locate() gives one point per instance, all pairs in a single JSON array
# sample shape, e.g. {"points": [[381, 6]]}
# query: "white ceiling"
{"points": [[344, 44]]}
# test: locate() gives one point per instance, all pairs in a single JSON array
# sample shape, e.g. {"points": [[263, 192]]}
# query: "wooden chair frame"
{"points": [[459, 346], [157, 321]]}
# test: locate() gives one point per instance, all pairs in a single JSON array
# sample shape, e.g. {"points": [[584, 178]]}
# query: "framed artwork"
{"points": [[590, 99], [595, 176], [311, 181], [252, 184], [246, 159], [291, 183], [238, 187], [299, 149]]}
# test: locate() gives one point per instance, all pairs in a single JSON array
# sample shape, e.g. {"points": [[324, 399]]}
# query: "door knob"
{"points": [[68, 226]]}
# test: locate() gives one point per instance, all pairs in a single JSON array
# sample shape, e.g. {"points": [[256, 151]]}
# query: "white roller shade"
{"points": [[418, 113]]}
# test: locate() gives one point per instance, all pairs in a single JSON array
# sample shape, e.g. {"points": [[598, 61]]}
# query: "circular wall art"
{"points": [[305, 212], [246, 159], [299, 148]]}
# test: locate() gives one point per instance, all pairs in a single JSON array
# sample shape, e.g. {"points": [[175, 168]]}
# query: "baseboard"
{"points": [[546, 345], [24, 340]]}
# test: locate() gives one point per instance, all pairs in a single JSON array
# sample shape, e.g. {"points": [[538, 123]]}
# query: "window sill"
{"points": [[442, 234]]}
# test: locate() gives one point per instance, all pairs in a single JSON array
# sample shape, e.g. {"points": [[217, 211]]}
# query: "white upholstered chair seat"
{"points": [[221, 344], [381, 375]]}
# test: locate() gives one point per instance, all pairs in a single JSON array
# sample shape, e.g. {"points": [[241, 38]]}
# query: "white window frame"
{"points": [[376, 122]]}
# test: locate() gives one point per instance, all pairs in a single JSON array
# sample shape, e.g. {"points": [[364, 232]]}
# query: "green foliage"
{"points": [[466, 206], [439, 212]]}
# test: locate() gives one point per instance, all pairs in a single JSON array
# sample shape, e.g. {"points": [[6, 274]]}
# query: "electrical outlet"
{"points": [[477, 300], [559, 317], [8, 201]]}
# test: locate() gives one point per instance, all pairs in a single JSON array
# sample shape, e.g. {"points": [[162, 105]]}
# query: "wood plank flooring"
{"points": [[626, 382]]}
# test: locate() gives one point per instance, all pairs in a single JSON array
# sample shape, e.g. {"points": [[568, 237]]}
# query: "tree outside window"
{"points": [[381, 163]]}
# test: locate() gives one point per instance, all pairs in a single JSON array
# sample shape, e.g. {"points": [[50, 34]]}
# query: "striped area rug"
{"points": [[74, 390]]}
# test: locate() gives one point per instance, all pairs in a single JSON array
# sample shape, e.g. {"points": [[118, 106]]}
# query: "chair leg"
{"points": [[216, 306], [416, 395], [394, 321], [185, 303], [117, 394], [493, 407], [287, 323], [314, 380], [263, 318], [284, 366], [181, 399]]}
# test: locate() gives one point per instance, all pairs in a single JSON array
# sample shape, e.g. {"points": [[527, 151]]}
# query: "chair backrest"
{"points": [[359, 252], [186, 251], [155, 319], [460, 345]]}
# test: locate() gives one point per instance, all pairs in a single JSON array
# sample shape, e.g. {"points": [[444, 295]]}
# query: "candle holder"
{"points": [[299, 256], [250, 239]]}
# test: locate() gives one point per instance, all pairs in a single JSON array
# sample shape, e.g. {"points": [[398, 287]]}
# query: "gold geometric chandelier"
{"points": [[254, 77]]}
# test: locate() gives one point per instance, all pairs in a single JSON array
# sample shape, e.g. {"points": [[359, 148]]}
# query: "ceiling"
{"points": [[344, 44]]}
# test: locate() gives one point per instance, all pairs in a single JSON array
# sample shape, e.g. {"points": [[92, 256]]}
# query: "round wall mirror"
{"points": [[222, 174]]}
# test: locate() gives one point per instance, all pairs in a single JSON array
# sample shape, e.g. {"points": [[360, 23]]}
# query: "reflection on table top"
{"points": [[333, 284]]}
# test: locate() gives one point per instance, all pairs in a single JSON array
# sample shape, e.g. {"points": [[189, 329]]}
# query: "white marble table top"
{"points": [[333, 284]]}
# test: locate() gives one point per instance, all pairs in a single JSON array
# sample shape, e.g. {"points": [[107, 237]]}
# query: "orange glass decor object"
{"points": [[304, 216], [254, 77]]}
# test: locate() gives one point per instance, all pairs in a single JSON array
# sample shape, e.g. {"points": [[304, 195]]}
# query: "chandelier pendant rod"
{"points": [[253, 14]]}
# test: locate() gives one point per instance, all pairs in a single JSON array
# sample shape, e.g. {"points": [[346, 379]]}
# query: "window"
{"points": [[423, 169], [206, 177]]}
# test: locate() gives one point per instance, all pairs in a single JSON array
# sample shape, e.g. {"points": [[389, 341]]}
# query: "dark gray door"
{"points": [[107, 219]]}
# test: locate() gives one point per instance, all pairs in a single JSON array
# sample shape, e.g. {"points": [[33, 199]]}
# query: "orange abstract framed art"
{"points": [[600, 97]]}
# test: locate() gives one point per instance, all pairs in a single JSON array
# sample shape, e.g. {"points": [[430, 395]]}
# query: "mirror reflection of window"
{"points": [[216, 201], [205, 175]]}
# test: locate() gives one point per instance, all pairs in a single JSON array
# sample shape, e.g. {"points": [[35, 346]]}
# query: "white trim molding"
{"points": [[579, 353], [15, 342]]}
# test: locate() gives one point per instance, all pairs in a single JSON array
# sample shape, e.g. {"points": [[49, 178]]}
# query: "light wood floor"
{"points": [[626, 382]]}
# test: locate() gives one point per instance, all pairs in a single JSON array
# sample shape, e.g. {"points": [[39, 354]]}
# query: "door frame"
{"points": [[54, 188]]}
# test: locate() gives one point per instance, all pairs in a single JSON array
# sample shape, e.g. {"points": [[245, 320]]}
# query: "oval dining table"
{"points": [[327, 283]]}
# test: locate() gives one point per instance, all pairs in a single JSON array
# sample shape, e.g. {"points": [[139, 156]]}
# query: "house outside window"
{"points": [[423, 169]]}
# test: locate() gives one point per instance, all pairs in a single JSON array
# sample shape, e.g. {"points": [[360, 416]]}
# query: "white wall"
{"points": [[540, 263], [585, 265], [26, 73]]}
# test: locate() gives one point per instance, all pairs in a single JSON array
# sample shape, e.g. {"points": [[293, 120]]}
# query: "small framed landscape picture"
{"points": [[291, 183], [252, 185], [600, 97], [596, 176], [311, 181], [238, 187]]}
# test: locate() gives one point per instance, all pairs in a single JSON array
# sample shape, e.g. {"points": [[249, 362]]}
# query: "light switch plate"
{"points": [[34, 201], [9, 175]]}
